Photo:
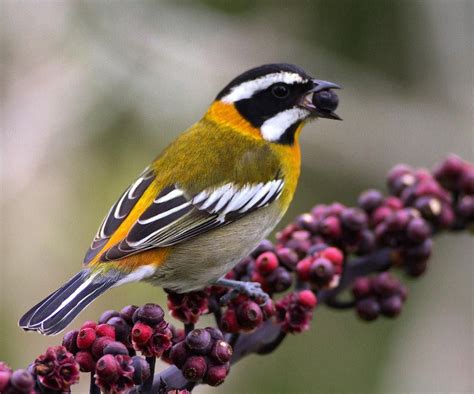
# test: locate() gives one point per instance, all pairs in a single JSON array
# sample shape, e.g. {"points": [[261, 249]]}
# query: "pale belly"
{"points": [[199, 262]]}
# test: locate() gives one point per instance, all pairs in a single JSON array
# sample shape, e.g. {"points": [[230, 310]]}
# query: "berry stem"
{"points": [[93, 388], [148, 384]]}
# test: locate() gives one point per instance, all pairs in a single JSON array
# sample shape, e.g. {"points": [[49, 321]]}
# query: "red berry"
{"points": [[303, 268], [194, 368], [334, 255], [141, 333], [85, 338], [216, 375], [85, 360], [307, 299], [229, 321], [249, 315], [266, 262], [4, 380], [105, 330], [89, 324]]}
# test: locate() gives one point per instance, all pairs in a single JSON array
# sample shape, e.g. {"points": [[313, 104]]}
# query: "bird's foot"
{"points": [[251, 289]]}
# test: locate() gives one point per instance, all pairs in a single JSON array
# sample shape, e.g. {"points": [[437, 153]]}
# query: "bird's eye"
{"points": [[280, 91]]}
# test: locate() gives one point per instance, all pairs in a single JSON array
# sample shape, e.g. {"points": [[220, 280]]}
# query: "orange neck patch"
{"points": [[227, 115]]}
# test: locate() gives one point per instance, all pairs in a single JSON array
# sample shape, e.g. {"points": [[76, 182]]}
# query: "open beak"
{"points": [[321, 101]]}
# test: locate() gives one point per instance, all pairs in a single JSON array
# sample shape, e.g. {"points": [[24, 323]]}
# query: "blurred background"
{"points": [[91, 91]]}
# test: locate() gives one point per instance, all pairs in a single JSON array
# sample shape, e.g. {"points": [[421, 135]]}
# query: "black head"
{"points": [[277, 97]]}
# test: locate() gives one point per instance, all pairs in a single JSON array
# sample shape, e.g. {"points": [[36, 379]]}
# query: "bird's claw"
{"points": [[252, 290]]}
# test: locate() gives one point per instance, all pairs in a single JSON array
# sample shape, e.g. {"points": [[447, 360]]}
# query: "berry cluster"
{"points": [[245, 315], [20, 381], [188, 307], [380, 294], [335, 224], [108, 347], [313, 259], [203, 355], [269, 266], [295, 311], [322, 268]]}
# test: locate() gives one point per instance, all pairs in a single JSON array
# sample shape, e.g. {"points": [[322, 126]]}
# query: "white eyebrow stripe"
{"points": [[272, 129], [249, 88]]}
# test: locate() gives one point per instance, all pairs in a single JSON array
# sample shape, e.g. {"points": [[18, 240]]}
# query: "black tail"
{"points": [[56, 311]]}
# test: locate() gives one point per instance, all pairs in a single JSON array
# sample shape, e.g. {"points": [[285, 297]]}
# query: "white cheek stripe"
{"points": [[272, 129], [248, 89]]}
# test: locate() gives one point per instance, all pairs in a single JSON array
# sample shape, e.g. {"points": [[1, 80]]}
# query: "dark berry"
{"points": [[108, 315], [368, 308], [216, 375], [179, 354], [70, 341], [391, 306], [221, 352], [370, 200], [121, 327], [127, 313], [115, 348], [321, 272], [194, 368], [199, 341], [215, 333], [141, 370], [151, 314], [325, 100], [418, 230], [22, 380]]}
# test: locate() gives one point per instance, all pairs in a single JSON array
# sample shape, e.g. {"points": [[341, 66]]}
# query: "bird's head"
{"points": [[276, 99]]}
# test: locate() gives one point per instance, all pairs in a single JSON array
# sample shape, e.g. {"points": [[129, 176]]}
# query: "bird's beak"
{"points": [[320, 100]]}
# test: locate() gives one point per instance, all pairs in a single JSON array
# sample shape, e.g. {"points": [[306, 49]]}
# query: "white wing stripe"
{"points": [[164, 214], [273, 189], [240, 198], [173, 194], [256, 197], [224, 199], [215, 195]]}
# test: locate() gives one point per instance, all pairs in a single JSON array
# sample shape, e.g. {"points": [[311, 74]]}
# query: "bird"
{"points": [[206, 201]]}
